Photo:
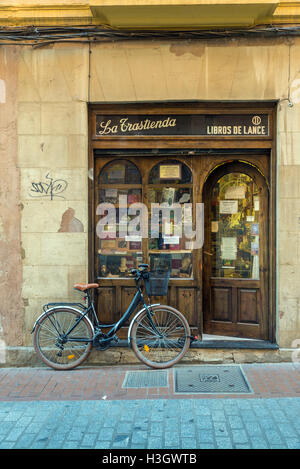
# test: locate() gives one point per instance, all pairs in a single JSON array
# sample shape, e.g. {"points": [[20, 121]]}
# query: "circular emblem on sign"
{"points": [[256, 120]]}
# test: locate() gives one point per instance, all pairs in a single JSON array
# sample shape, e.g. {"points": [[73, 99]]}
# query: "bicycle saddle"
{"points": [[85, 286]]}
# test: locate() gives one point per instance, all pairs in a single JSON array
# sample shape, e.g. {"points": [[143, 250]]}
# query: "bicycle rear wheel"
{"points": [[164, 345], [55, 352]]}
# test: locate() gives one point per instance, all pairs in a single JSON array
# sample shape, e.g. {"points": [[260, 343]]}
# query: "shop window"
{"points": [[170, 182], [119, 183], [235, 227]]}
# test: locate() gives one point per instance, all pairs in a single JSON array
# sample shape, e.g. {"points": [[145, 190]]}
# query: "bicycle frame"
{"points": [[137, 299]]}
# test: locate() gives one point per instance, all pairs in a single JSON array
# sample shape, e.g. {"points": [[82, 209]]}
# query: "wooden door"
{"points": [[236, 257]]}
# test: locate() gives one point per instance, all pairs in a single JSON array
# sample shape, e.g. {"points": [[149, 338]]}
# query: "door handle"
{"points": [[208, 253]]}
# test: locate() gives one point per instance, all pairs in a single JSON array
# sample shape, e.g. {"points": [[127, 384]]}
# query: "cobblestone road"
{"points": [[152, 424]]}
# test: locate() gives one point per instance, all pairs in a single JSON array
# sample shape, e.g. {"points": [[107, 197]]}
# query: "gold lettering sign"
{"points": [[170, 171], [202, 125]]}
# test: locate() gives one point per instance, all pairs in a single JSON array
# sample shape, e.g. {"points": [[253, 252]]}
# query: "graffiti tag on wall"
{"points": [[50, 188]]}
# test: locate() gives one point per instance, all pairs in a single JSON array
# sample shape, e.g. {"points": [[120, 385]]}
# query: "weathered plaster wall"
{"points": [[289, 206], [52, 155], [53, 89], [11, 305], [213, 70]]}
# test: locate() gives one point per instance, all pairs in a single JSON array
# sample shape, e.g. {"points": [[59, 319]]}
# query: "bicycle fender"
{"points": [[133, 321], [59, 307]]}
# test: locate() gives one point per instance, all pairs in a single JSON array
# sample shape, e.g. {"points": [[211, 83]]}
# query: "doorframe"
{"points": [[245, 166], [201, 144]]}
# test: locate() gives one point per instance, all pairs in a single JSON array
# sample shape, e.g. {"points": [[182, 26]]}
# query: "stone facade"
{"points": [[44, 96]]}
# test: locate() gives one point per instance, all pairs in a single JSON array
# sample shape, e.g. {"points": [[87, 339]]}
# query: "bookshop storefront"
{"points": [[212, 168]]}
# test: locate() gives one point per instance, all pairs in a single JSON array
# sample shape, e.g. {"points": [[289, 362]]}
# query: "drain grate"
{"points": [[211, 379], [146, 379]]}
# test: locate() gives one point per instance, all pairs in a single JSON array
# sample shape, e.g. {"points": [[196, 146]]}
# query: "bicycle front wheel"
{"points": [[57, 350], [160, 342]]}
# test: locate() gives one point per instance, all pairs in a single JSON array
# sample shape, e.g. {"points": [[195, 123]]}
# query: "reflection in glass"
{"points": [[235, 227]]}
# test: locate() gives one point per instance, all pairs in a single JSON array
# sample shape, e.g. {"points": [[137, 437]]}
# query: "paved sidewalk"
{"points": [[87, 408], [88, 383]]}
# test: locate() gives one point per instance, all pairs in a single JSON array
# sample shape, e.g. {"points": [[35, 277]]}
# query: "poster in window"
{"points": [[168, 195], [170, 171], [228, 206], [235, 192], [229, 248]]}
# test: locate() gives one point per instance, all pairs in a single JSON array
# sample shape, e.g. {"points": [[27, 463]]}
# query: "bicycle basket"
{"points": [[157, 283]]}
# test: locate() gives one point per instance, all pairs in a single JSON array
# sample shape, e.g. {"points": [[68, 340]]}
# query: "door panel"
{"points": [[236, 261], [186, 303], [106, 304], [127, 295], [248, 304], [221, 304]]}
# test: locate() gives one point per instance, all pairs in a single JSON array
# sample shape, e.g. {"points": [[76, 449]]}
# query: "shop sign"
{"points": [[203, 125]]}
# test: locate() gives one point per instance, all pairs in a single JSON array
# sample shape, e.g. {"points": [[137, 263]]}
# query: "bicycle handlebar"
{"points": [[143, 267], [139, 271]]}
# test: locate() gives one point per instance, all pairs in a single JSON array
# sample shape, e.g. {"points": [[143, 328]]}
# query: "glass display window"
{"points": [[170, 183], [235, 227], [119, 183]]}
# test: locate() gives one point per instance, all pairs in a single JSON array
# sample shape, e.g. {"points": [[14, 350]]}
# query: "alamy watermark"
{"points": [[138, 221]]}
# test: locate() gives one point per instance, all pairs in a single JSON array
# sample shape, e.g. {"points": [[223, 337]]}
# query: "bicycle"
{"points": [[158, 334]]}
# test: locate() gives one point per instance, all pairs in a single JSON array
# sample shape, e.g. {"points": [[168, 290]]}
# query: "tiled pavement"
{"points": [[88, 383], [88, 408]]}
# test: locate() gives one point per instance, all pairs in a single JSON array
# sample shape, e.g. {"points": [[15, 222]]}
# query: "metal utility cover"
{"points": [[211, 379], [146, 379]]}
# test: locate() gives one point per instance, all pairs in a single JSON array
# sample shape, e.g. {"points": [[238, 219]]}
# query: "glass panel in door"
{"points": [[235, 227]]}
